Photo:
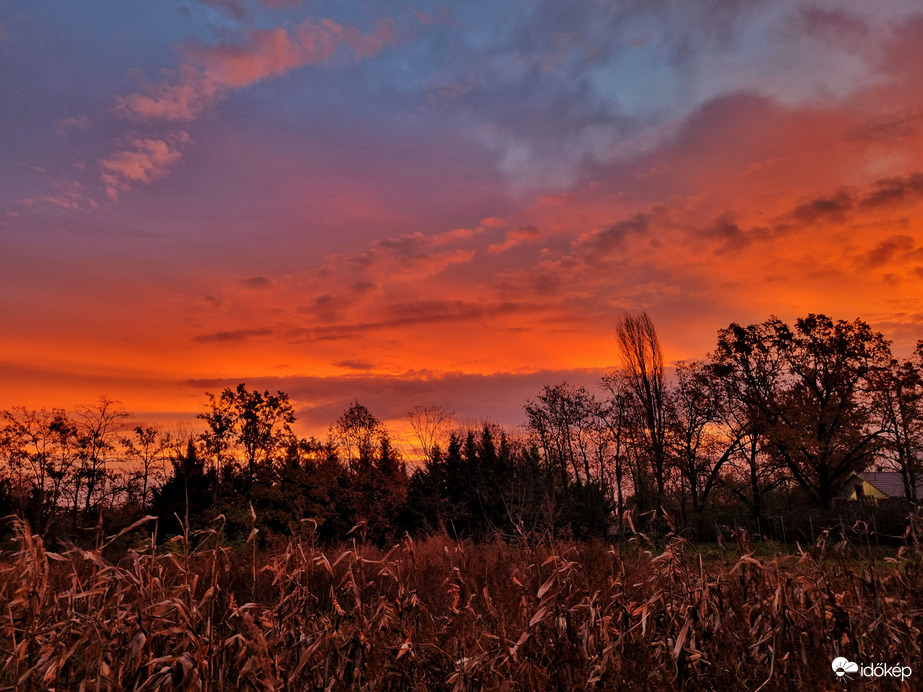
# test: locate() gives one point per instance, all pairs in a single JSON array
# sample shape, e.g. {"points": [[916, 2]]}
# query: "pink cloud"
{"points": [[516, 236], [183, 100], [493, 222], [268, 53], [369, 45], [208, 72], [68, 194], [451, 236], [146, 161]]}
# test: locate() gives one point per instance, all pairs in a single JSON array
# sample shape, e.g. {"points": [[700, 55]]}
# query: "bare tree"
{"points": [[616, 414], [431, 427], [899, 400], [98, 426], [642, 365], [699, 447], [146, 447], [562, 419]]}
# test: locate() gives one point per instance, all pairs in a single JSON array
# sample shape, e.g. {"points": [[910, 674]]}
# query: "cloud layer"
{"points": [[417, 205]]}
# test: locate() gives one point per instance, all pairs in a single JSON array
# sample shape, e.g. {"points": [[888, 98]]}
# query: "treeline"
{"points": [[775, 416]]}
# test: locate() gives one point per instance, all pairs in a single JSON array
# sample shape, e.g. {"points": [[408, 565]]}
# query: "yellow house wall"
{"points": [[868, 489]]}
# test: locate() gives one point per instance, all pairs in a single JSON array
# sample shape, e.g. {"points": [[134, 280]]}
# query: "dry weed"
{"points": [[440, 615]]}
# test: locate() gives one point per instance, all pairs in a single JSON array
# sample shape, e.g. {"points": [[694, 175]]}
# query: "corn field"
{"points": [[442, 615]]}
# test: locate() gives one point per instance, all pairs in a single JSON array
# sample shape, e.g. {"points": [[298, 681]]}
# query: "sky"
{"points": [[417, 203]]}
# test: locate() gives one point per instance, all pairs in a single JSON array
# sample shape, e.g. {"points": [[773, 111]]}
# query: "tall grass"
{"points": [[442, 615]]}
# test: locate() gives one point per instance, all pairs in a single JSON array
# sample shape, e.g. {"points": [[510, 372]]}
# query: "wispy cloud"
{"points": [[67, 125], [411, 256], [281, 4], [237, 335], [144, 161], [68, 195], [207, 72], [182, 99], [401, 315], [232, 8], [517, 236], [888, 250], [895, 191]]}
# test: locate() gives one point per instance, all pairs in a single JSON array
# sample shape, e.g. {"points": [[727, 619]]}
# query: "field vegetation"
{"points": [[437, 614]]}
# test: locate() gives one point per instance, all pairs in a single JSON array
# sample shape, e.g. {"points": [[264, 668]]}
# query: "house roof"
{"points": [[890, 483]]}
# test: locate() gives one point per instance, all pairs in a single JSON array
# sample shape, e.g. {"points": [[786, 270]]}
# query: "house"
{"points": [[877, 485]]}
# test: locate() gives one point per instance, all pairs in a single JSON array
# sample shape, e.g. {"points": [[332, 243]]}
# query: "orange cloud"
{"points": [[516, 236]]}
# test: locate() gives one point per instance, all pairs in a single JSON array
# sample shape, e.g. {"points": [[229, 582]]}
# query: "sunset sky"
{"points": [[419, 203]]}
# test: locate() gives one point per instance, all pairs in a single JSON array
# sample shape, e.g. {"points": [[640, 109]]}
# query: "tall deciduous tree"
{"points": [[617, 415], [751, 473], [698, 446], [813, 387], [642, 366], [562, 420]]}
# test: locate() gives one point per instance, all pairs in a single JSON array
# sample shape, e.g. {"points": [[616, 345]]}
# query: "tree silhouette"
{"points": [[97, 426], [146, 448], [257, 424], [899, 401], [642, 365], [813, 387], [431, 426], [186, 496], [355, 434]]}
